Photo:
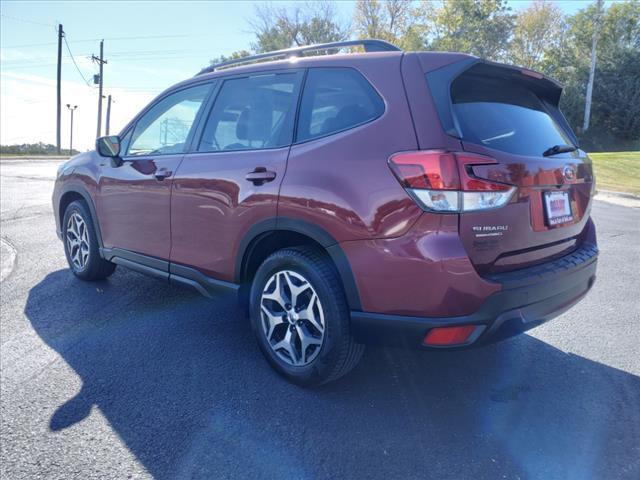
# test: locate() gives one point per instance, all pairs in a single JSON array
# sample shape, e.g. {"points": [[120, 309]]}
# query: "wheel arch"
{"points": [[72, 193], [271, 235]]}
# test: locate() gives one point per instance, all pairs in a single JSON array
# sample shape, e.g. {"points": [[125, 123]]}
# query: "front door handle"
{"points": [[162, 173], [260, 176]]}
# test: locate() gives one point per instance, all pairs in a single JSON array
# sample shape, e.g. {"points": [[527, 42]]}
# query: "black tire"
{"points": [[95, 267], [339, 353]]}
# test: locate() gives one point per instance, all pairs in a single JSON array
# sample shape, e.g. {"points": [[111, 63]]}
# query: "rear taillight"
{"points": [[441, 181]]}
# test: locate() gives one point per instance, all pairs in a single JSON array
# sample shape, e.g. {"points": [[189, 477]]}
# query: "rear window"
{"points": [[252, 113], [504, 115], [336, 99]]}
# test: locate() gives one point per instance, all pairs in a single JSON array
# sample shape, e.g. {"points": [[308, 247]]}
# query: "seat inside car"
{"points": [[254, 125], [346, 116]]}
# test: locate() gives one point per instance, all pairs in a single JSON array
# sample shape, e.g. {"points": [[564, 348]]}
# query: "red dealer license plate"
{"points": [[557, 207]]}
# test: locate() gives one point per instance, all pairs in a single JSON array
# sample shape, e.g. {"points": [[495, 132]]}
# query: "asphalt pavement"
{"points": [[134, 378]]}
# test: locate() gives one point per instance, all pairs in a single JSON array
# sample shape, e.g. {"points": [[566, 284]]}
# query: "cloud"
{"points": [[28, 112]]}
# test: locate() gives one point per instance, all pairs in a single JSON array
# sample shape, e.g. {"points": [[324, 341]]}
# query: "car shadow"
{"points": [[181, 381]]}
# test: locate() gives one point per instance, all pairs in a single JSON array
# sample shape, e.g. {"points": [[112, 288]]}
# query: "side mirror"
{"points": [[108, 146]]}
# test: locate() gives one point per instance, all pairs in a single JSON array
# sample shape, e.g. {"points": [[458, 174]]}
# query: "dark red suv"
{"points": [[434, 200]]}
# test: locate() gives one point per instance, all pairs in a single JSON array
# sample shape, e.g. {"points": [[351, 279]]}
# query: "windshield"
{"points": [[499, 114]]}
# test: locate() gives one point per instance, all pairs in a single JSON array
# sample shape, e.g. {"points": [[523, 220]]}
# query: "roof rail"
{"points": [[369, 45]]}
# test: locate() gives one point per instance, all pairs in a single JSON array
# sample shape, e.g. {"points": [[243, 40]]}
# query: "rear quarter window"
{"points": [[336, 99], [504, 115]]}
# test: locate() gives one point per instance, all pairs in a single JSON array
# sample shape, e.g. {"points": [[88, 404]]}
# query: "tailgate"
{"points": [[512, 116], [523, 232]]}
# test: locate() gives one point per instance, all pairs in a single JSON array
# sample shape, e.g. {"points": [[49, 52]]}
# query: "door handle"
{"points": [[162, 173], [260, 176]]}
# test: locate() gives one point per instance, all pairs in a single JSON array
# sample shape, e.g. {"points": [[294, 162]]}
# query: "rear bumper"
{"points": [[528, 297]]}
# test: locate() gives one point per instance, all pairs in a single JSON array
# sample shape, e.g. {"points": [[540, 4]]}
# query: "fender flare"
{"points": [[324, 238], [82, 191]]}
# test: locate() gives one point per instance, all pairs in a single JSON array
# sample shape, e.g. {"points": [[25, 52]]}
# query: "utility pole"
{"points": [[101, 61], [108, 115], [71, 109], [59, 96], [592, 69]]}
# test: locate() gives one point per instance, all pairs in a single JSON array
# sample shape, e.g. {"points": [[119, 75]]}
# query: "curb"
{"points": [[613, 193]]}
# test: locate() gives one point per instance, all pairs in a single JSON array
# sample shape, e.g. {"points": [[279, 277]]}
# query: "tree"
{"points": [[592, 63], [234, 55], [278, 28], [620, 28], [540, 37], [616, 96], [538, 31], [368, 19], [616, 92], [391, 20], [39, 148], [479, 27], [616, 80]]}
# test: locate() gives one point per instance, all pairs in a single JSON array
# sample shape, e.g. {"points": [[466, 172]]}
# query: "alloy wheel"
{"points": [[292, 318], [77, 241]]}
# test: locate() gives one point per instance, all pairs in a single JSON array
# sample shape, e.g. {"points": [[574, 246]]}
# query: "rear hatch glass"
{"points": [[513, 117], [505, 116]]}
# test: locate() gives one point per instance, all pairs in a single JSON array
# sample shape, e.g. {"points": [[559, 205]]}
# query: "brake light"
{"points": [[434, 170], [531, 73], [440, 181]]}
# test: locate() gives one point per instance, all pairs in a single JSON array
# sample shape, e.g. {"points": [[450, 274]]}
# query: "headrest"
{"points": [[346, 116], [255, 122]]}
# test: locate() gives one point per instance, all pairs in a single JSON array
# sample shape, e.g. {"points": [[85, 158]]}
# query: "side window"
{"points": [[252, 113], [336, 99], [164, 129]]}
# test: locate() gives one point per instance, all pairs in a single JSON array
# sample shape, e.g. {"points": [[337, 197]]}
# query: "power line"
{"points": [[86, 40], [32, 45], [149, 52], [150, 91], [36, 59], [181, 35], [119, 60], [24, 20], [74, 62], [33, 65]]}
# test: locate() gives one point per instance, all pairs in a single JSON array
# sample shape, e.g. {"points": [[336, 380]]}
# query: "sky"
{"points": [[148, 46]]}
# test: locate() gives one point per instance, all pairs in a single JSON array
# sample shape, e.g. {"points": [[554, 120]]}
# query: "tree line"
{"points": [[39, 148], [540, 37]]}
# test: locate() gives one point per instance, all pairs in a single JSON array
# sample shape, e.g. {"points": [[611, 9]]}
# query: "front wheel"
{"points": [[300, 317], [81, 244]]}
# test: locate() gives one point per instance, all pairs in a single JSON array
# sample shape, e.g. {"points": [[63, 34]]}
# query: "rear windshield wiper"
{"points": [[559, 149]]}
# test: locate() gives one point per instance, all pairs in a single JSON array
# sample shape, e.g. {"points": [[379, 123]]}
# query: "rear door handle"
{"points": [[162, 173], [260, 176]]}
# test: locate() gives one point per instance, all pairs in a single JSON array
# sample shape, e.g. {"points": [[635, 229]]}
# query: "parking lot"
{"points": [[132, 377]]}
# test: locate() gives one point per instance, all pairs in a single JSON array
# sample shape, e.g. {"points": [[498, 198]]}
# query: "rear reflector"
{"points": [[439, 181], [449, 335]]}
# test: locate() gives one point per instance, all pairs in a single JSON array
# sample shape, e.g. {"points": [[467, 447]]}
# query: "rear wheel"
{"points": [[81, 244], [300, 317]]}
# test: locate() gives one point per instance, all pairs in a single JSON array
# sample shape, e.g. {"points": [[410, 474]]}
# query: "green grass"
{"points": [[618, 171]]}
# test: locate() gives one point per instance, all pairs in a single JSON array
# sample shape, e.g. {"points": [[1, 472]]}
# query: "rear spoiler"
{"points": [[440, 81]]}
